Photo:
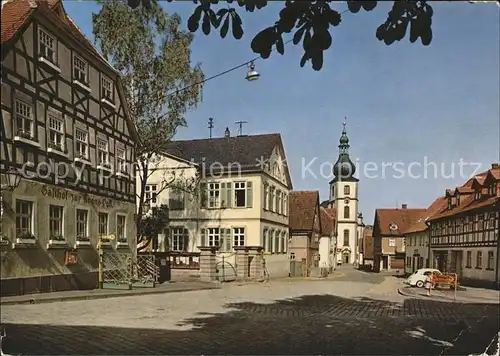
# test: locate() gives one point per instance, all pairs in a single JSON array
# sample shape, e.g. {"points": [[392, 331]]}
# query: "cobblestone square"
{"points": [[302, 317]]}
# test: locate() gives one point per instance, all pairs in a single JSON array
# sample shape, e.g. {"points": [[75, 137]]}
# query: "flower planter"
{"points": [[122, 244], [82, 243], [57, 244], [24, 243]]}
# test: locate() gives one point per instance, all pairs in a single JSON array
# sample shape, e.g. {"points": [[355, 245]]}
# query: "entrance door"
{"points": [[346, 258], [385, 262]]}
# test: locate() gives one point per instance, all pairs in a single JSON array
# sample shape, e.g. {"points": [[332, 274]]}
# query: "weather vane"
{"points": [[210, 125]]}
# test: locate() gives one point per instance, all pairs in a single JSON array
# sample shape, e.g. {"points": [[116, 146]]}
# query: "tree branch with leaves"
{"points": [[152, 52], [307, 22]]}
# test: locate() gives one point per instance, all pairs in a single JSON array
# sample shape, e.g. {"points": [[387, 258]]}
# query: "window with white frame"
{"points": [[178, 238], [213, 195], [283, 242], [280, 202], [277, 201], [24, 119], [103, 224], [56, 222], [24, 218], [79, 70], [213, 236], [285, 205], [240, 194], [56, 133], [121, 227], [239, 236], [121, 162], [107, 89], [81, 144], [150, 194], [82, 220], [102, 152], [46, 46]]}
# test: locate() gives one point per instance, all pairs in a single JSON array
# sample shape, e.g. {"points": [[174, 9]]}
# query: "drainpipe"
{"points": [[496, 205], [429, 244]]}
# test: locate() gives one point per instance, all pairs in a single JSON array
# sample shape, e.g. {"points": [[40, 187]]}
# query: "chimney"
{"points": [[227, 133], [404, 206], [495, 166]]}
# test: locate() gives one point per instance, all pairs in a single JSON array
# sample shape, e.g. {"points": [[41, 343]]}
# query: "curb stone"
{"points": [[100, 296]]}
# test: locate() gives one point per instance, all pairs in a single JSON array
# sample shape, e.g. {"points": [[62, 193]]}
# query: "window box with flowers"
{"points": [[122, 242], [4, 241], [57, 241], [26, 240], [26, 137], [82, 241], [57, 149]]}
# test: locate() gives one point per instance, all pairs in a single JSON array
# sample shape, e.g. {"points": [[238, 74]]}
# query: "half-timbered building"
{"points": [[65, 126], [464, 235]]}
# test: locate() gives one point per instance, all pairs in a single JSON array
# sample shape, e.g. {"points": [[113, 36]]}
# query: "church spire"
{"points": [[344, 168]]}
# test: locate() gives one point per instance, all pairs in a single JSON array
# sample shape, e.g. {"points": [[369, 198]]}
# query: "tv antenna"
{"points": [[240, 126], [210, 125]]}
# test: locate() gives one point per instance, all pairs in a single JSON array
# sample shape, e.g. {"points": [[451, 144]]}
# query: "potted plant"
{"points": [[26, 238], [57, 240], [82, 241], [3, 239]]}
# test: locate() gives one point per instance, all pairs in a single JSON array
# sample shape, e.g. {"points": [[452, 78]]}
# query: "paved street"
{"points": [[335, 316]]}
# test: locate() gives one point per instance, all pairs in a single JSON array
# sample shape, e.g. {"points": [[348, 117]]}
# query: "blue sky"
{"points": [[404, 103]]}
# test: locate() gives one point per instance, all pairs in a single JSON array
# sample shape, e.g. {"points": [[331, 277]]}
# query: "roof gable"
{"points": [[327, 221], [17, 14], [245, 153], [303, 208], [394, 222]]}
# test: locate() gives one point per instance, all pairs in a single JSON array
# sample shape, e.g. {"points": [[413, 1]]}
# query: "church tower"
{"points": [[344, 199]]}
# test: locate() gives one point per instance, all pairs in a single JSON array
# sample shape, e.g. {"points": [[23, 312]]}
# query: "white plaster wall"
{"points": [[324, 252], [278, 265]]}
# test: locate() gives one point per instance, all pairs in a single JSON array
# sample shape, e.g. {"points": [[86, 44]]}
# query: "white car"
{"points": [[417, 279]]}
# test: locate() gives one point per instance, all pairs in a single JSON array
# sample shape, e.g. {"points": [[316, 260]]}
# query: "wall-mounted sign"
{"points": [[75, 197]]}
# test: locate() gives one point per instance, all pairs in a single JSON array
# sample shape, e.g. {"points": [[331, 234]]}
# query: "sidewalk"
{"points": [[172, 287], [470, 295]]}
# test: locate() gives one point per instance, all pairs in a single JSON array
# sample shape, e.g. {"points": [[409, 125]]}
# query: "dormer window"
{"points": [[80, 70], [46, 46], [492, 189], [458, 199], [449, 204], [477, 195], [107, 89]]}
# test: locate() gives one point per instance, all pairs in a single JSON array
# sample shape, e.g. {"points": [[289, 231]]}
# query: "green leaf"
{"points": [[225, 27], [194, 19], [237, 26], [206, 26]]}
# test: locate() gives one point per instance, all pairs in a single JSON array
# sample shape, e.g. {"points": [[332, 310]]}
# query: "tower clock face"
{"points": [[346, 201]]}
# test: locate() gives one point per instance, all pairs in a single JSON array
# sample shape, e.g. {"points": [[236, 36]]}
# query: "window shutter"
{"points": [[203, 239], [229, 197], [222, 195], [249, 195], [186, 240], [203, 195], [228, 240]]}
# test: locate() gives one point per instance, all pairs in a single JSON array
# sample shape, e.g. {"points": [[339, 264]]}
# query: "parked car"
{"points": [[417, 279]]}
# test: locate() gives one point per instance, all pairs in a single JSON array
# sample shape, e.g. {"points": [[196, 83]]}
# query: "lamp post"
{"points": [[13, 179]]}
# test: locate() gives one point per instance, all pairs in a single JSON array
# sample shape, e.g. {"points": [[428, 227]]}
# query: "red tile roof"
{"points": [[327, 221], [436, 207], [467, 201], [302, 209], [399, 219], [15, 13]]}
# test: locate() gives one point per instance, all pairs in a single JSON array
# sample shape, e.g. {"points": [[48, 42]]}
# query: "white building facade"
{"points": [[241, 198]]}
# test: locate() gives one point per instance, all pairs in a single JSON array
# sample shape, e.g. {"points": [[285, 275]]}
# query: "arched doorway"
{"points": [[346, 257]]}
